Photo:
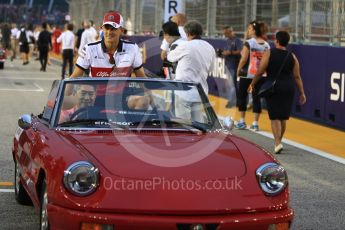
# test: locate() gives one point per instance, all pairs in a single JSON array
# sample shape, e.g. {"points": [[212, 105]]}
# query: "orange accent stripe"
{"points": [[6, 184], [307, 133]]}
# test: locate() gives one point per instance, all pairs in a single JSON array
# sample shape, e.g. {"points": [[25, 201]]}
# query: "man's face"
{"points": [[86, 96], [112, 34], [227, 33], [168, 38]]}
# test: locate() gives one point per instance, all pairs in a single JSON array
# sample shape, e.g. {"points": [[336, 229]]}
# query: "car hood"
{"points": [[167, 155]]}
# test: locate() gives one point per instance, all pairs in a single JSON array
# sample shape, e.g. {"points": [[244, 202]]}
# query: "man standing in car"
{"points": [[111, 56]]}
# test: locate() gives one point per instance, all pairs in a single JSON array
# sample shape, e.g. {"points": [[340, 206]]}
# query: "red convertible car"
{"points": [[121, 153]]}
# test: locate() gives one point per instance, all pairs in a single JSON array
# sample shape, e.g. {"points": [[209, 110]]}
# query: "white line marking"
{"points": [[35, 84], [28, 78], [6, 190], [307, 148], [301, 146], [39, 89], [23, 90]]}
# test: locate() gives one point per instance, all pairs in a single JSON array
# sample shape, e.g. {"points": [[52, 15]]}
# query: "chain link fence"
{"points": [[308, 21]]}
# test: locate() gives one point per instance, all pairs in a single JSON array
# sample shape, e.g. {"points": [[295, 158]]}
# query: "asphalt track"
{"points": [[316, 183]]}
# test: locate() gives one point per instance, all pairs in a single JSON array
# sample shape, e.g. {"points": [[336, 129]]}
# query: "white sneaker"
{"points": [[278, 149], [228, 123]]}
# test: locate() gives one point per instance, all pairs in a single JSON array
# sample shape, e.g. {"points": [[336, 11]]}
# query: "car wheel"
{"points": [[20, 193], [44, 221]]}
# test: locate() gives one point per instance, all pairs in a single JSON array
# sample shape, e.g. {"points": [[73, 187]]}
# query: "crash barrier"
{"points": [[322, 70]]}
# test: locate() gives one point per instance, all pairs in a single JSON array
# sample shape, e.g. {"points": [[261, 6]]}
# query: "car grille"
{"points": [[190, 226]]}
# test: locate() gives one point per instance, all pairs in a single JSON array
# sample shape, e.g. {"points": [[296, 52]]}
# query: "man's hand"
{"points": [[302, 99], [250, 88]]}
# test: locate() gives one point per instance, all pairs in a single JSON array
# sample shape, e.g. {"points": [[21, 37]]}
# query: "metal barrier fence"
{"points": [[309, 21]]}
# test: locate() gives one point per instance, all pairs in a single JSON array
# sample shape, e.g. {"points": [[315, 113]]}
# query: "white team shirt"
{"points": [[94, 56], [67, 40], [165, 44], [196, 58]]}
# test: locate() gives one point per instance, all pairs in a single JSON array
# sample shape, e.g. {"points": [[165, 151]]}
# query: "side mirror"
{"points": [[25, 121], [228, 123]]}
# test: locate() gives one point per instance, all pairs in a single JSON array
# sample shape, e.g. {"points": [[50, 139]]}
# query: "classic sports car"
{"points": [[130, 153]]}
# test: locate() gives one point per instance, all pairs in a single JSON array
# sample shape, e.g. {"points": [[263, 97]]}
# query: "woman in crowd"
{"points": [[252, 52], [279, 104]]}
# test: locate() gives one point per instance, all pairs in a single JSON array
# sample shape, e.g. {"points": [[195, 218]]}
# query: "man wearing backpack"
{"points": [[24, 37]]}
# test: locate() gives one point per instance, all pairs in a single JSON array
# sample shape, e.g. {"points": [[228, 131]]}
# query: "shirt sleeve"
{"points": [[59, 39], [138, 60], [176, 54], [165, 45], [84, 60], [83, 43]]}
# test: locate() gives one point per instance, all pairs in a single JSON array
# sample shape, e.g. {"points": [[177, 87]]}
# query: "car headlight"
{"points": [[81, 178], [272, 178]]}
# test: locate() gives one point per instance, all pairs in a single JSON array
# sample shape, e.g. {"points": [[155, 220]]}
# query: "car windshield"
{"points": [[131, 104]]}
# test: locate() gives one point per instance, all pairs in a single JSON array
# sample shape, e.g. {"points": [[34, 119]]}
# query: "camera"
{"points": [[219, 52], [169, 64]]}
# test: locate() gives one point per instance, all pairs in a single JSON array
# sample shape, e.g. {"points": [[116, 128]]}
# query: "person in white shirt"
{"points": [[88, 36], [67, 40], [14, 46], [173, 38], [180, 20], [24, 37], [112, 57], [195, 59]]}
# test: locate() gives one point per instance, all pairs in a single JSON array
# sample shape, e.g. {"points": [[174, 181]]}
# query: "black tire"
{"points": [[44, 221], [20, 193], [1, 65]]}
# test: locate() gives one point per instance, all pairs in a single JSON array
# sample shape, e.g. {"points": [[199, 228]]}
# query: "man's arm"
{"points": [[164, 54], [164, 48], [139, 72], [77, 72], [243, 60], [176, 54]]}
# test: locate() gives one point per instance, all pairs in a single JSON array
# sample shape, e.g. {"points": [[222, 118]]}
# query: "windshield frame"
{"points": [[55, 115]]}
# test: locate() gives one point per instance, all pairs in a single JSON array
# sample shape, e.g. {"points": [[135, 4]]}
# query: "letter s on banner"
{"points": [[338, 87]]}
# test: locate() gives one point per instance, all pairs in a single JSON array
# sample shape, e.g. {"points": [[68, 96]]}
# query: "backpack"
{"points": [[22, 37]]}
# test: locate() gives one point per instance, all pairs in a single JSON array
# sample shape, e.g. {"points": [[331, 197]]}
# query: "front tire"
{"points": [[44, 222], [20, 193]]}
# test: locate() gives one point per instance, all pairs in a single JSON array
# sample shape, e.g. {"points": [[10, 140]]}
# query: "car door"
{"points": [[30, 142], [26, 141]]}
